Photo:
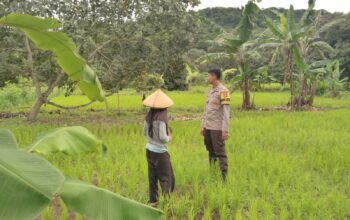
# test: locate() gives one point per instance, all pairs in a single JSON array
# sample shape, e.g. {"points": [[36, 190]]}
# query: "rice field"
{"points": [[282, 165], [193, 100]]}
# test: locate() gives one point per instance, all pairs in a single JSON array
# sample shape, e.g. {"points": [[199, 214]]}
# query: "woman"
{"points": [[156, 131]]}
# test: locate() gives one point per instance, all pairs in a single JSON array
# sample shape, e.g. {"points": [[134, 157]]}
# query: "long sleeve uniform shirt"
{"points": [[217, 109]]}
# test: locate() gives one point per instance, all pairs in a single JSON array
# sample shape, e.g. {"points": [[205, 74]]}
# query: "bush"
{"points": [[321, 88], [198, 79], [15, 95], [148, 82]]}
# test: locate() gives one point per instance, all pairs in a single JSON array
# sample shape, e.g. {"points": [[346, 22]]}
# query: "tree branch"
{"points": [[98, 48], [31, 68], [54, 84], [69, 108]]}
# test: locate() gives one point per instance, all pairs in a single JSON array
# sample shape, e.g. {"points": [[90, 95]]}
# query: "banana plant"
{"points": [[242, 51], [29, 182], [192, 75], [297, 41], [333, 78]]}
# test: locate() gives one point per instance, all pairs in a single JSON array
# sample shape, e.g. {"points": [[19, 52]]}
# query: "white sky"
{"points": [[329, 5]]}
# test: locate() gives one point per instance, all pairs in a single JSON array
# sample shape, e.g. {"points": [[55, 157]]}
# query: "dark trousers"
{"points": [[216, 148], [159, 169]]}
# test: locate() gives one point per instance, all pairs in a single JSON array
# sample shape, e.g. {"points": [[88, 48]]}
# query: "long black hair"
{"points": [[154, 115]]}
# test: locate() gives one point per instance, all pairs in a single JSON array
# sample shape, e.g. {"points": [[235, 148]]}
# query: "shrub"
{"points": [[19, 94]]}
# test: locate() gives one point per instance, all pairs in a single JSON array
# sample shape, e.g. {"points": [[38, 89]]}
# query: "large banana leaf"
{"points": [[246, 24], [100, 204], [7, 140], [283, 23], [291, 19], [27, 184], [67, 140], [40, 31], [308, 16]]}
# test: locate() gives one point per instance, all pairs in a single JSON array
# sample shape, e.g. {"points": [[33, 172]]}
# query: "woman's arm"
{"points": [[162, 133], [145, 128]]}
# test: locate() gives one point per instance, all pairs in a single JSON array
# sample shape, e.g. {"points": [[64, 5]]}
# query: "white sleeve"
{"points": [[163, 133]]}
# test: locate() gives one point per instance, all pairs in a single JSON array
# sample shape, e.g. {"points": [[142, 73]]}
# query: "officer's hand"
{"points": [[202, 131], [224, 135]]}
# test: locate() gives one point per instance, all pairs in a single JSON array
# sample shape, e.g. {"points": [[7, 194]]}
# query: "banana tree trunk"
{"points": [[289, 77], [246, 96], [302, 92], [312, 93]]}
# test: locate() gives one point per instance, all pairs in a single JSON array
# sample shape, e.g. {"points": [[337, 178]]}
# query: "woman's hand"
{"points": [[225, 135]]}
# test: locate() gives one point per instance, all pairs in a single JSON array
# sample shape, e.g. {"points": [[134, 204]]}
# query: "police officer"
{"points": [[215, 121]]}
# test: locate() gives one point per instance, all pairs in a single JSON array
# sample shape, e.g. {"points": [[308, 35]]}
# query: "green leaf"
{"points": [[298, 59], [27, 184], [40, 32], [323, 46], [291, 19], [100, 204], [308, 16], [246, 24], [188, 69], [231, 70], [210, 57], [233, 45], [273, 28], [7, 140], [283, 23], [67, 140]]}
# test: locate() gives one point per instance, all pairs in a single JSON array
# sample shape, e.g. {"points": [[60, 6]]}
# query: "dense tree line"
{"points": [[120, 39], [123, 40], [337, 34]]}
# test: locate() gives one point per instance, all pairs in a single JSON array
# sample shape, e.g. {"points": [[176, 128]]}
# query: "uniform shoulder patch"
{"points": [[225, 97]]}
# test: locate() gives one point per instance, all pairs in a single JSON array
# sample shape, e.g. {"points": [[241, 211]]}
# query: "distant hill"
{"points": [[229, 17]]}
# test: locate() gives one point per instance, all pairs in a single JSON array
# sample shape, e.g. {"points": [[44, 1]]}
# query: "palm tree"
{"points": [[241, 50]]}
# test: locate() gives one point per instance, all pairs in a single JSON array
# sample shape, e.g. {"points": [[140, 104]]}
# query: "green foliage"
{"points": [[246, 24], [148, 82], [19, 94], [35, 181], [40, 31], [67, 140], [229, 74], [7, 139], [194, 77], [333, 78], [82, 198], [31, 178], [337, 35]]}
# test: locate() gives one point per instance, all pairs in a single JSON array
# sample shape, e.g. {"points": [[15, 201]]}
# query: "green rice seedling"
{"points": [[282, 165]]}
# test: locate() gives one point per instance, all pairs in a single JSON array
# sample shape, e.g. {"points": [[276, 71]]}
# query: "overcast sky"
{"points": [[329, 5]]}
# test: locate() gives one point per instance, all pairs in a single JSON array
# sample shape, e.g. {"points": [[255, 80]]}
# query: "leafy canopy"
{"points": [[41, 32]]}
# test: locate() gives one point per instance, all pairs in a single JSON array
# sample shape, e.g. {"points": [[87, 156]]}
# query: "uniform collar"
{"points": [[216, 87]]}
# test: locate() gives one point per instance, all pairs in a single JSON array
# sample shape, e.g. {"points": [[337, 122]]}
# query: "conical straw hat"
{"points": [[158, 100]]}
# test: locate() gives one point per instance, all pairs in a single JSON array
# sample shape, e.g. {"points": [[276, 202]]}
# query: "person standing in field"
{"points": [[158, 136], [215, 121]]}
